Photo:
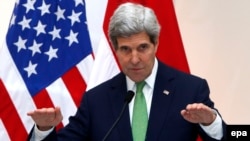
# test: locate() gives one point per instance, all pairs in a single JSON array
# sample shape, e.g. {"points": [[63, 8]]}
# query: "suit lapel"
{"points": [[161, 102], [117, 96]]}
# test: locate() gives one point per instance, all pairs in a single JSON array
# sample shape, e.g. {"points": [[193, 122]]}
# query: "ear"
{"points": [[156, 45]]}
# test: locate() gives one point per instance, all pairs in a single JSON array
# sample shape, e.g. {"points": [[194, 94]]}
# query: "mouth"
{"points": [[136, 69]]}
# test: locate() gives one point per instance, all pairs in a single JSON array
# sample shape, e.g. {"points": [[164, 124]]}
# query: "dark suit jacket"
{"points": [[101, 106]]}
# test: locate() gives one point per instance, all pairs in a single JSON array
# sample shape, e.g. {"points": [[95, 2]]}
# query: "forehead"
{"points": [[133, 40]]}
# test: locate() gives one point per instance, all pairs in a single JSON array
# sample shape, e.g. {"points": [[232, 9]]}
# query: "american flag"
{"points": [[46, 39], [46, 61], [57, 49]]}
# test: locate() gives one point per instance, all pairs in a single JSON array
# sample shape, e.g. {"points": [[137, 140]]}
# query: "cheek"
{"points": [[121, 60], [149, 57]]}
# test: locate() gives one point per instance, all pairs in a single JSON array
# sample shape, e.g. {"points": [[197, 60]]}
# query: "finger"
{"points": [[35, 113], [47, 114], [184, 112], [187, 116], [190, 106], [58, 114], [50, 114], [195, 107], [30, 113]]}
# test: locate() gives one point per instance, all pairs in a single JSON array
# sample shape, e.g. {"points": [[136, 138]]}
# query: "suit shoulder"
{"points": [[108, 84], [177, 74]]}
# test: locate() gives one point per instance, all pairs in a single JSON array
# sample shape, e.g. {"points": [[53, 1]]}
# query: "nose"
{"points": [[135, 58]]}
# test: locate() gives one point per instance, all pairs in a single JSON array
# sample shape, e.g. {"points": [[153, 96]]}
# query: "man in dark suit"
{"points": [[178, 107]]}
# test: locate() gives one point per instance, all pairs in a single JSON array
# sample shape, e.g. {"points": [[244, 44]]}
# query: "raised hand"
{"points": [[46, 118], [198, 113]]}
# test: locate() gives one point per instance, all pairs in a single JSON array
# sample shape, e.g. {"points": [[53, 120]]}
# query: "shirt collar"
{"points": [[150, 80]]}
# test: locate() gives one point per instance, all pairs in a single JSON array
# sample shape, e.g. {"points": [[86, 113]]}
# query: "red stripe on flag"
{"points": [[42, 100], [75, 84], [111, 6], [10, 117]]}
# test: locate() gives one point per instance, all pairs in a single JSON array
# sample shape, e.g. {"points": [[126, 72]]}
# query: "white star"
{"points": [[59, 13], [40, 28], [74, 17], [72, 37], [31, 69], [35, 48], [13, 19], [77, 2], [52, 53], [44, 8], [25, 23], [55, 33], [29, 5], [20, 44]]}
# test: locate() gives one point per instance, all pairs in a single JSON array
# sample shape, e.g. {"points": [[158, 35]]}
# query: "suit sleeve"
{"points": [[76, 130], [204, 97]]}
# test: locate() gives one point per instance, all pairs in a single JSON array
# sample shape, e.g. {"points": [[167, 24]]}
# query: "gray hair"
{"points": [[130, 18]]}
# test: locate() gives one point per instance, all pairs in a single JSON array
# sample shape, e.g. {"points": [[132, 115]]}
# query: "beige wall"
{"points": [[6, 7], [217, 43]]}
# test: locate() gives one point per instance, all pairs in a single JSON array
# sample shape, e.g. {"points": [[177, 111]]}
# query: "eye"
{"points": [[125, 49], [143, 47]]}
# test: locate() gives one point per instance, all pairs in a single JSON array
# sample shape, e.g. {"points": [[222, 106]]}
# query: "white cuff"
{"points": [[215, 129], [39, 135]]}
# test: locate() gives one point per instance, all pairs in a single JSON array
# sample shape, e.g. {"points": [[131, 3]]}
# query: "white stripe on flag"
{"points": [[60, 96], [95, 16], [85, 67], [16, 88], [105, 65]]}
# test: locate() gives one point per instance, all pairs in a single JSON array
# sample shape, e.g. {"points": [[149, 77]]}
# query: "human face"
{"points": [[136, 55]]}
